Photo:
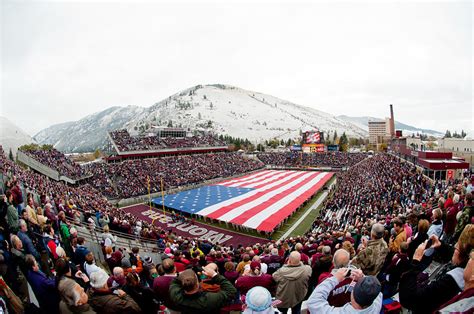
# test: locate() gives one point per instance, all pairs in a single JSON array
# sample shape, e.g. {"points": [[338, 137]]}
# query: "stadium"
{"points": [[191, 202], [190, 157]]}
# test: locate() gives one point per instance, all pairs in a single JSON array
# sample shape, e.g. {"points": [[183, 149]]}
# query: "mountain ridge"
{"points": [[217, 108]]}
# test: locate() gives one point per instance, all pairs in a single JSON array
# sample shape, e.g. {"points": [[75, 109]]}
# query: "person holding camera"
{"points": [[365, 297], [427, 297], [187, 294]]}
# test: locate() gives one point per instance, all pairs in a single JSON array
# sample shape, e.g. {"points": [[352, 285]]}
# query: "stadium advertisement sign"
{"points": [[314, 148], [296, 148], [333, 148]]}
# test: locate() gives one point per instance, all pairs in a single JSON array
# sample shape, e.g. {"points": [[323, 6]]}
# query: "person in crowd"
{"points": [[118, 280], [391, 276], [80, 252], [341, 294], [12, 213], [366, 296], [143, 296], [436, 229], [370, 260], [19, 268], [230, 273], [185, 292], [245, 261], [321, 262], [426, 298], [104, 300], [399, 237], [43, 287], [73, 298], [254, 277], [161, 284], [108, 238], [32, 216], [26, 240], [292, 283], [51, 241], [466, 216], [463, 302], [89, 265], [259, 301], [256, 258], [274, 261], [66, 269], [420, 236]]}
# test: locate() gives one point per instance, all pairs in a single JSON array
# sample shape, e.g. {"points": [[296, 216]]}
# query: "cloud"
{"points": [[62, 61]]}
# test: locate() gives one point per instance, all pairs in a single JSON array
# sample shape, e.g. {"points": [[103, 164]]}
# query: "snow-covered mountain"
{"points": [[11, 136], [362, 122], [88, 133], [221, 109]]}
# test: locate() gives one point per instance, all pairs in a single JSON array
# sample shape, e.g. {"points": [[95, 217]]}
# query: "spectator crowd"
{"points": [[56, 160], [125, 142], [349, 265], [131, 178], [323, 159]]}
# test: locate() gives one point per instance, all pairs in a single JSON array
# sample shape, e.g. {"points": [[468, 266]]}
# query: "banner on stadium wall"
{"points": [[333, 148], [296, 148], [314, 148]]}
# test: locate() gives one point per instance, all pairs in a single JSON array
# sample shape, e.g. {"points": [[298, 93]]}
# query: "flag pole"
{"points": [[148, 186], [149, 197], [163, 197]]}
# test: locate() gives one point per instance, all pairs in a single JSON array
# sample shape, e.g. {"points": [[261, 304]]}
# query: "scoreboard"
{"points": [[313, 137]]}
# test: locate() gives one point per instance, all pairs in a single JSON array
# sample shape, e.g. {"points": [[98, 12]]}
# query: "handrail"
{"points": [[122, 235]]}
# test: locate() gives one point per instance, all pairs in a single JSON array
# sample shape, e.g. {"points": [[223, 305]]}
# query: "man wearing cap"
{"points": [[366, 297], [104, 300], [370, 260]]}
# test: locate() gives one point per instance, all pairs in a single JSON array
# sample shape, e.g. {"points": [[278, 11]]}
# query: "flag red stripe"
{"points": [[273, 220], [224, 210], [257, 209]]}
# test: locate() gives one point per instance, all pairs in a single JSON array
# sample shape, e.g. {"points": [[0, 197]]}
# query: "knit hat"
{"points": [[366, 290], [98, 279], [126, 263], [254, 265], [148, 260], [258, 299]]}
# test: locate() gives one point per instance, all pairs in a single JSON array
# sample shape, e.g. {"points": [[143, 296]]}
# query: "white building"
{"points": [[379, 131], [460, 147]]}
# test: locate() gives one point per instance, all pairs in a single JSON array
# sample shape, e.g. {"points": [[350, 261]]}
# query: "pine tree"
{"points": [[334, 139], [448, 134], [10, 155], [343, 142]]}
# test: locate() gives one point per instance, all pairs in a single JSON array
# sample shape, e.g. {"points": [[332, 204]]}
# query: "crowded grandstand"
{"points": [[386, 238]]}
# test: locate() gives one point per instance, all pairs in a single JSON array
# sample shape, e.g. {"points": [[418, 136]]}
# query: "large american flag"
{"points": [[261, 200]]}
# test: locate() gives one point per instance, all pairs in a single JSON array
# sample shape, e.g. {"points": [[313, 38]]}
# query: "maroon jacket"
{"points": [[245, 283], [161, 286], [341, 294], [17, 195]]}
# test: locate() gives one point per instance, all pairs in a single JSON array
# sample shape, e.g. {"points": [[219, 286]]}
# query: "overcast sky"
{"points": [[64, 60]]}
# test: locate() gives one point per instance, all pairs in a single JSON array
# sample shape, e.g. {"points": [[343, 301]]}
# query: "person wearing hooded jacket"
{"points": [[292, 283]]}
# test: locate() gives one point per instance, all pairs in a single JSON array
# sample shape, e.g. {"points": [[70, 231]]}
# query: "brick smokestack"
{"points": [[392, 122]]}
